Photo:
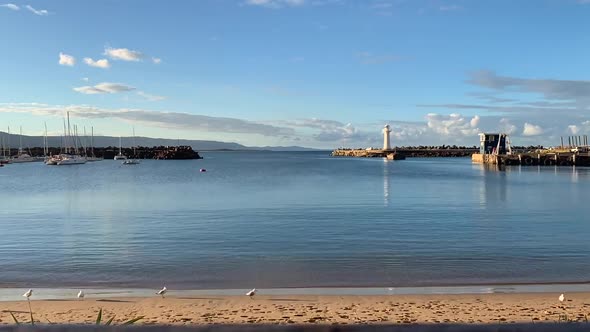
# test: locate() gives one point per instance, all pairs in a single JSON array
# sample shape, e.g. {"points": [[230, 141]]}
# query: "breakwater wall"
{"points": [[402, 153], [535, 159]]}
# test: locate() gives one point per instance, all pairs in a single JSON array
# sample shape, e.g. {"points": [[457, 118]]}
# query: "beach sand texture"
{"points": [[407, 309]]}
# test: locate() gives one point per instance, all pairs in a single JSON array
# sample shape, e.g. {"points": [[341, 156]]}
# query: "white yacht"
{"points": [[132, 161], [24, 158], [21, 156], [120, 156], [71, 155], [67, 159]]}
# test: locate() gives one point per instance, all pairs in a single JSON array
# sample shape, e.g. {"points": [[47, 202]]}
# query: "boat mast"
{"points": [[120, 154], [68, 136], [133, 142], [20, 145], [8, 143], [92, 141], [45, 147], [63, 139]]}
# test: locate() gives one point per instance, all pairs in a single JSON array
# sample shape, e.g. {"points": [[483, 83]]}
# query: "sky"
{"points": [[313, 73]]}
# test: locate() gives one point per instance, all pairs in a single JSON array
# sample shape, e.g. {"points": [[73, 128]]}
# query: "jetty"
{"points": [[495, 149], [368, 153], [401, 153]]}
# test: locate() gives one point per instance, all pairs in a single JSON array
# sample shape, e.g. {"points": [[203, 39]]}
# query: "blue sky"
{"points": [[316, 73]]}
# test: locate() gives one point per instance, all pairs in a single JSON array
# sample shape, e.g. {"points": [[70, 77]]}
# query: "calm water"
{"points": [[291, 220]]}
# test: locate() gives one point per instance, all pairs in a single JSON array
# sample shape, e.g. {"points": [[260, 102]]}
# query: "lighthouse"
{"points": [[386, 143]]}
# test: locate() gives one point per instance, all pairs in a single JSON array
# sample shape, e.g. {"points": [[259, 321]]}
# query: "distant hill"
{"points": [[104, 141]]}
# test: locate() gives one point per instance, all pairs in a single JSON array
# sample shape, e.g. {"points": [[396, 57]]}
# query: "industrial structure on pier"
{"points": [[496, 149]]}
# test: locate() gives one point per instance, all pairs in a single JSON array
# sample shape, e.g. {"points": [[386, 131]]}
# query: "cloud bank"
{"points": [[168, 120], [104, 88]]}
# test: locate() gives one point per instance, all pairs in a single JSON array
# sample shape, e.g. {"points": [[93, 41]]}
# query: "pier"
{"points": [[495, 149]]}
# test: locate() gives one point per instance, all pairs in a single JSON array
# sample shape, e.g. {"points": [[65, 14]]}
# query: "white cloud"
{"points": [[167, 120], [104, 88], [507, 127], [66, 60], [531, 130], [452, 125], [123, 54], [40, 12], [573, 129], [102, 63], [156, 60], [85, 79], [329, 130], [10, 6], [150, 97]]}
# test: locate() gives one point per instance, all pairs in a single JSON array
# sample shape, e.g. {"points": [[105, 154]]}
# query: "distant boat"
{"points": [[92, 157], [120, 156], [132, 161], [4, 159], [68, 158], [22, 157]]}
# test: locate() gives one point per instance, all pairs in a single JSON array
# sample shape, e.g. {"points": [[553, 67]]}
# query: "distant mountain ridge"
{"points": [[104, 141]]}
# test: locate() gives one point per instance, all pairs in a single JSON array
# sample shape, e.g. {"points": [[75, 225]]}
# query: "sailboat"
{"points": [[4, 159], [71, 155], [120, 156], [23, 157], [132, 161], [92, 156]]}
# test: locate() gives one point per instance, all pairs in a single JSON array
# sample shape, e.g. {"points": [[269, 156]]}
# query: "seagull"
{"points": [[81, 294], [28, 294], [561, 298], [251, 293], [162, 291]]}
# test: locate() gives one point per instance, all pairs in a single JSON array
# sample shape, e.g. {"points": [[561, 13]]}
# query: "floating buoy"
{"points": [[202, 170]]}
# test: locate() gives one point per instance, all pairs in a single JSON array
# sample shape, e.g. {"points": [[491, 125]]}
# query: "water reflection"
{"points": [[385, 182], [493, 187]]}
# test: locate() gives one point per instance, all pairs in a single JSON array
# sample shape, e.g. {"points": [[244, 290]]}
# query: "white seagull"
{"points": [[251, 293], [28, 294], [561, 298], [81, 294], [162, 291]]}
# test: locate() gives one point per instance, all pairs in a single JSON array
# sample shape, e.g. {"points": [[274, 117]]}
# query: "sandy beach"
{"points": [[394, 309]]}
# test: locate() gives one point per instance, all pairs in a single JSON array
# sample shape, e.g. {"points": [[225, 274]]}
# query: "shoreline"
{"points": [[8, 294], [186, 309]]}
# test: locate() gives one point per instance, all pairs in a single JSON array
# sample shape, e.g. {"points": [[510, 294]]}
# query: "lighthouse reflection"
{"points": [[386, 165]]}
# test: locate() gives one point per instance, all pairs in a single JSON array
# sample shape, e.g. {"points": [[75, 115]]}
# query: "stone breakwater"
{"points": [[402, 153]]}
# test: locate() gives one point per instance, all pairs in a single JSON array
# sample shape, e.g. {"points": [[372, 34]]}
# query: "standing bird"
{"points": [[561, 298], [251, 293], [28, 294], [81, 294], [162, 291]]}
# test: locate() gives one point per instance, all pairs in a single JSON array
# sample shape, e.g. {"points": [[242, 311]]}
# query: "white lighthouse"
{"points": [[386, 143]]}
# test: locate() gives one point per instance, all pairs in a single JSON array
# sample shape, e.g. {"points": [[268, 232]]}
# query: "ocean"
{"points": [[291, 219]]}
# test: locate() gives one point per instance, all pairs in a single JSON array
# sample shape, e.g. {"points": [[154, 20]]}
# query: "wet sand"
{"points": [[392, 309]]}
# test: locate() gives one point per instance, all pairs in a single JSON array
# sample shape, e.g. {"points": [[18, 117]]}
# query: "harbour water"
{"points": [[292, 219]]}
